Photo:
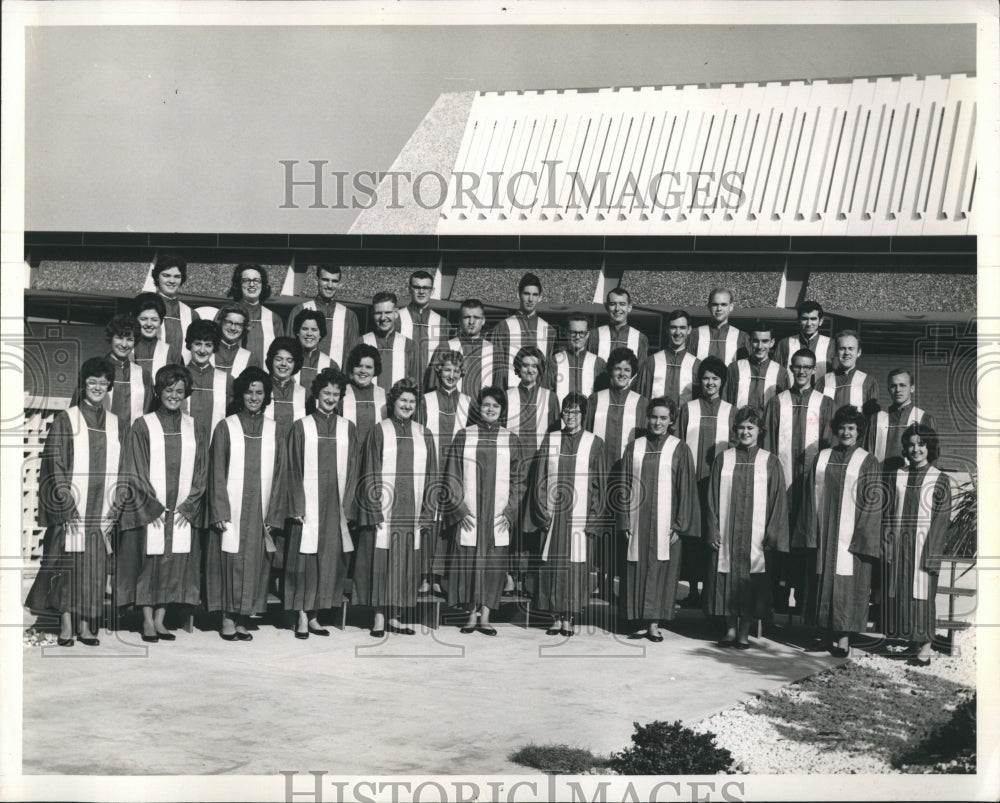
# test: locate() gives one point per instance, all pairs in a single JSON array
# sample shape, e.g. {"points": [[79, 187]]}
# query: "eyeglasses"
{"points": [[98, 383], [584, 333], [803, 367], [233, 324], [251, 281]]}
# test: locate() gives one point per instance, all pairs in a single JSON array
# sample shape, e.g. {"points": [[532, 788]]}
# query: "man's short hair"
{"points": [[760, 325], [809, 306], [677, 314], [421, 275], [716, 290], [170, 261], [898, 371], [847, 333], [578, 317], [382, 296], [617, 291], [336, 270], [529, 280], [574, 399], [804, 353], [471, 303]]}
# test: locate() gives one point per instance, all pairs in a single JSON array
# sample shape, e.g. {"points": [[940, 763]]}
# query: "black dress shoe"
{"points": [[567, 632], [318, 631], [65, 642], [915, 661], [244, 636], [553, 631], [301, 635], [656, 638], [486, 630], [840, 652], [636, 636], [401, 631], [472, 629], [150, 639], [90, 642], [227, 636], [739, 645], [725, 643], [820, 646], [378, 633], [167, 636]]}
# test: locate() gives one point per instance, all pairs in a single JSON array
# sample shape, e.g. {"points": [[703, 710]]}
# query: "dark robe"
{"points": [[842, 382], [173, 328], [368, 412], [310, 366], [145, 351], [255, 332], [678, 384], [338, 341], [718, 335], [898, 421], [618, 338], [759, 392], [474, 365], [568, 372], [225, 356], [787, 346], [120, 400], [201, 402], [391, 372], [519, 330]]}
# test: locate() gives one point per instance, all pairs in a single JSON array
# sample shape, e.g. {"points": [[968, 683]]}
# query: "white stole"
{"points": [[857, 388], [758, 519], [922, 525], [604, 341], [160, 353], [387, 487], [684, 378], [581, 492], [240, 362], [435, 326], [349, 404], [309, 543], [184, 312], [219, 381], [299, 397], [694, 427], [664, 497], [398, 354], [234, 483], [786, 421], [564, 374], [541, 413], [470, 484], [848, 509], [137, 392], [432, 407], [266, 327], [746, 379], [486, 360], [629, 417], [156, 536], [518, 338], [76, 529], [705, 343], [820, 352], [882, 429]]}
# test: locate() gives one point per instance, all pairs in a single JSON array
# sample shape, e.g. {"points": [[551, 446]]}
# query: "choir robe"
{"points": [[883, 438], [483, 365], [152, 354], [211, 394], [364, 407], [517, 331], [263, 326], [754, 384], [652, 563], [747, 515], [399, 358], [705, 440], [314, 579], [174, 328], [288, 403], [426, 328], [314, 361], [915, 526], [477, 570], [574, 372], [443, 414], [725, 342], [530, 414], [848, 387], [141, 578], [234, 359], [341, 327], [825, 349], [669, 373], [130, 395], [74, 580], [617, 426], [605, 339], [844, 552], [568, 520], [237, 565], [392, 513]]}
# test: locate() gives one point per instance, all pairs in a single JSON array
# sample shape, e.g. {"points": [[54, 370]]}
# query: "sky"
{"points": [[183, 128]]}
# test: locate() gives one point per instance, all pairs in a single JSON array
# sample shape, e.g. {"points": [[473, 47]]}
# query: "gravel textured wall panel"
{"points": [[364, 281], [89, 277], [213, 279], [689, 288], [559, 285], [897, 292]]}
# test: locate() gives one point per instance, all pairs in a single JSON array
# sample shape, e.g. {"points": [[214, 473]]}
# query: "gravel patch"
{"points": [[90, 277], [895, 292], [689, 288], [559, 285], [364, 281]]}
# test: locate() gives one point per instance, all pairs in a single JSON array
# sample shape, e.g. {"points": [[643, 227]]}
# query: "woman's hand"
{"points": [[220, 526], [468, 524]]}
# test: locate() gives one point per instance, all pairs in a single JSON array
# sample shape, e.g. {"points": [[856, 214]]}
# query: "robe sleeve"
{"points": [[783, 380], [598, 467], [218, 496], [535, 515], [643, 348], [554, 413], [140, 505], [592, 341], [517, 478], [352, 331], [889, 520], [499, 337], [277, 323], [430, 377], [730, 391], [680, 430], [276, 504], [732, 432], [194, 508], [807, 524], [713, 529], [930, 561], [640, 416], [776, 529], [349, 493], [742, 346], [867, 539], [687, 517], [293, 497], [825, 423], [454, 506], [772, 414], [428, 511], [644, 380], [369, 493], [588, 423], [929, 421], [620, 492], [412, 357], [55, 493]]}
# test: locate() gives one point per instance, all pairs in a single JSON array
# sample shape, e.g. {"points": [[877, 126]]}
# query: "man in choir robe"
{"points": [[754, 381], [746, 523], [615, 416], [523, 328], [250, 285], [363, 402], [570, 458], [399, 354], [152, 353], [659, 505], [169, 275], [131, 392], [848, 384], [705, 424], [443, 411], [211, 387], [232, 354], [419, 322], [342, 329], [309, 326], [840, 520], [719, 338], [618, 333], [574, 369], [796, 428], [886, 426], [810, 318], [482, 366], [672, 371]]}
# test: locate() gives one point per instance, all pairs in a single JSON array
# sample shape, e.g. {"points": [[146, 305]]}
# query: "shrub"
{"points": [[556, 758], [662, 748], [949, 748]]}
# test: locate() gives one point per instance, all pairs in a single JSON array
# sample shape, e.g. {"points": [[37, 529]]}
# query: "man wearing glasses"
{"points": [[419, 322], [342, 328], [574, 369]]}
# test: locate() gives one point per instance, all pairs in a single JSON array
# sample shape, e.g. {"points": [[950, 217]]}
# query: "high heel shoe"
{"points": [[150, 639], [244, 636], [89, 642]]}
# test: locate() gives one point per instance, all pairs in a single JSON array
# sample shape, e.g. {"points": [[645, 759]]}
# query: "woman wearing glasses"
{"points": [[78, 476], [232, 354], [250, 286]]}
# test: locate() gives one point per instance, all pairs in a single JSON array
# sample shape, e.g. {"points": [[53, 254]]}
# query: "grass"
{"points": [[558, 759]]}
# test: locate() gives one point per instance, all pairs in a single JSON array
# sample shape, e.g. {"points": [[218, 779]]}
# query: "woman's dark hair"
{"points": [[849, 414], [325, 378], [529, 351], [404, 385], [203, 330], [713, 365], [96, 366], [170, 375], [240, 309], [147, 301], [242, 384], [575, 399], [170, 261], [309, 315], [490, 392], [236, 289], [927, 434], [751, 414], [622, 354], [358, 353], [284, 343], [664, 401], [122, 325]]}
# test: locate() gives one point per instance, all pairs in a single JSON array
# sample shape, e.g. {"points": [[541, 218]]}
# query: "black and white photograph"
{"points": [[500, 402]]}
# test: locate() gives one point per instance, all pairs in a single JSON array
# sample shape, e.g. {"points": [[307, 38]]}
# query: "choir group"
{"points": [[209, 459]]}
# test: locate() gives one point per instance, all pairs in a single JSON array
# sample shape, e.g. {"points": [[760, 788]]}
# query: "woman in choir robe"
{"points": [[288, 397], [746, 522], [166, 466], [656, 501], [246, 457], [211, 387], [79, 474], [250, 285], [232, 354], [841, 520], [915, 527], [566, 493], [363, 402], [168, 275], [444, 411], [130, 394], [309, 328], [485, 484], [397, 502], [320, 479], [152, 353]]}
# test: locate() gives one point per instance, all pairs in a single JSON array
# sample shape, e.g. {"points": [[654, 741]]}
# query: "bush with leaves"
{"points": [[662, 748], [557, 758]]}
